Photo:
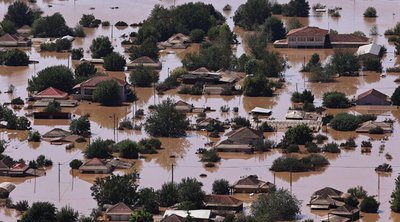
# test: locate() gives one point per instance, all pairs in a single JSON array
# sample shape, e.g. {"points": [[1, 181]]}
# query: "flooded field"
{"points": [[348, 169]]}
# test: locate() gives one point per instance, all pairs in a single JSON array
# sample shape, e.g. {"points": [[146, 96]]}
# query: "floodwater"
{"points": [[348, 169]]}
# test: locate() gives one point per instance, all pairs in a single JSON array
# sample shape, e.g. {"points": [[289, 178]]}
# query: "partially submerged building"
{"points": [[5, 189], [118, 212], [372, 49], [240, 140], [373, 97], [223, 202], [314, 37], [84, 90], [369, 125], [251, 184], [95, 166], [51, 93], [15, 40], [177, 41], [144, 61]]}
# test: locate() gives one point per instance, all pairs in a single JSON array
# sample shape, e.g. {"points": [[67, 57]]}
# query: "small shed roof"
{"points": [[371, 49], [260, 110], [7, 186]]}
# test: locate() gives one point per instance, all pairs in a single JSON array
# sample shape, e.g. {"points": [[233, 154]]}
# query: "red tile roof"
{"points": [[52, 92], [93, 82], [308, 31], [348, 38]]}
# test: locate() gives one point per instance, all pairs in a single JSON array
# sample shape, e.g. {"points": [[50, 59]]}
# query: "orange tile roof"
{"points": [[52, 92], [308, 31]]}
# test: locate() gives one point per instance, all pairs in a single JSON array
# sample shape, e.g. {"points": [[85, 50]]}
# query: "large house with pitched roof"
{"points": [[118, 212], [15, 40], [252, 184], [223, 202], [84, 90], [144, 61], [314, 37], [240, 140], [373, 97], [51, 93], [95, 166]]}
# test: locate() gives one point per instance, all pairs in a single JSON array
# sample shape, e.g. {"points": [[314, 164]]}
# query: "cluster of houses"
{"points": [[11, 169], [215, 83], [215, 206], [333, 200], [314, 37]]}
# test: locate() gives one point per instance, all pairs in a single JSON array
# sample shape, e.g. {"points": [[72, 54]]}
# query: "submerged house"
{"points": [[15, 40], [223, 202], [324, 202], [95, 166], [314, 37], [240, 140], [84, 90], [144, 61], [183, 106], [25, 29], [251, 184], [202, 75], [177, 41], [5, 189], [372, 97], [347, 211], [51, 93], [56, 133], [5, 166], [369, 125], [118, 212], [330, 192]]}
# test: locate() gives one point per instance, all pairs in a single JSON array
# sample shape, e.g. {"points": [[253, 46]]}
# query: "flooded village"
{"points": [[172, 110]]}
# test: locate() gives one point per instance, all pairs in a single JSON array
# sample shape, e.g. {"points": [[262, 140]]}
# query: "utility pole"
{"points": [[114, 125], [112, 32], [296, 87], [290, 181], [59, 182], [172, 173], [274, 179]]}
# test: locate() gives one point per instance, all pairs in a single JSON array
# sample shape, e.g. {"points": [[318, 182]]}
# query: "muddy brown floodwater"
{"points": [[348, 169]]}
